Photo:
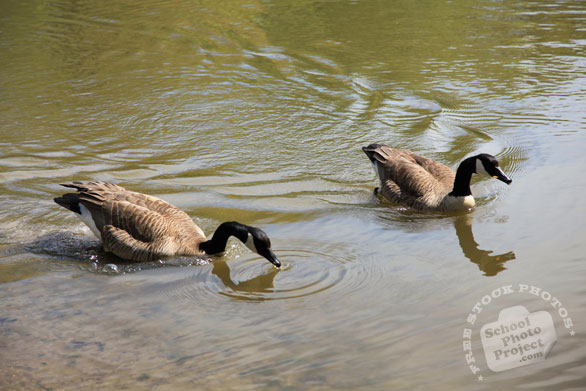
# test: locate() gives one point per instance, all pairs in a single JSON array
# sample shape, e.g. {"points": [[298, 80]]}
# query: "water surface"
{"points": [[256, 112]]}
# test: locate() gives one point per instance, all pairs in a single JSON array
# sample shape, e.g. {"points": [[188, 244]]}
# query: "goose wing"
{"points": [[137, 226], [136, 233], [439, 176], [407, 177]]}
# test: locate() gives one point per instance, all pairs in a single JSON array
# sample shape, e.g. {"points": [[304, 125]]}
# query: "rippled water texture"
{"points": [[257, 112]]}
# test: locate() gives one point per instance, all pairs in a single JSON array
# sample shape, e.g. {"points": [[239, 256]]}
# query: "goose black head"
{"points": [[258, 241], [488, 165], [255, 239]]}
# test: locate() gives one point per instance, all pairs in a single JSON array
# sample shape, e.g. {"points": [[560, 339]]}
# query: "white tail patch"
{"points": [[480, 168], [375, 166], [87, 218], [250, 243]]}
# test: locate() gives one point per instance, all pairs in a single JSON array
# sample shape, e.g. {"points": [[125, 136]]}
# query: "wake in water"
{"points": [[86, 251]]}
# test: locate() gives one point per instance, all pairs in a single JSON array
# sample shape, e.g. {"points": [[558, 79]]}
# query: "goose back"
{"points": [[133, 225], [410, 179]]}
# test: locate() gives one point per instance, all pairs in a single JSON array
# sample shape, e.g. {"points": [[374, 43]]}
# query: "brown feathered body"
{"points": [[132, 225], [413, 180]]}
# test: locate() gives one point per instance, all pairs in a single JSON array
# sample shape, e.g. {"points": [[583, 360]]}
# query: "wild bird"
{"points": [[140, 227], [424, 184]]}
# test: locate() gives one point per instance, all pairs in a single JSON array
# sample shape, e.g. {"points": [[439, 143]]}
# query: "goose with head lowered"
{"points": [[140, 227], [424, 184]]}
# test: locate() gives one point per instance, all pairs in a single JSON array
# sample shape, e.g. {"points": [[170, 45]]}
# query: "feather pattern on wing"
{"points": [[138, 226], [410, 179]]}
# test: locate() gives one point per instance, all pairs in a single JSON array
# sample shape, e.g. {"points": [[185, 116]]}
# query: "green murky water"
{"points": [[257, 111]]}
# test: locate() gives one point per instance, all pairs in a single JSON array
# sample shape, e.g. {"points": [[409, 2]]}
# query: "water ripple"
{"points": [[304, 273]]}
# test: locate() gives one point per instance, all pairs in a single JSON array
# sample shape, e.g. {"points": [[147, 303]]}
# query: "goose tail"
{"points": [[378, 152], [69, 201], [370, 150]]}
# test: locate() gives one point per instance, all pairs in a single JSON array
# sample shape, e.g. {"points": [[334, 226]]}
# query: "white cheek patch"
{"points": [[87, 218], [480, 168], [250, 243]]}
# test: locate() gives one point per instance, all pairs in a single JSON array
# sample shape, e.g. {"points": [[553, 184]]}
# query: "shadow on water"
{"points": [[50, 252], [303, 273], [413, 221], [261, 284], [491, 265], [65, 245], [87, 253]]}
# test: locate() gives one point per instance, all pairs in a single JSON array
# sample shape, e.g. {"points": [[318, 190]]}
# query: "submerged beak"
{"points": [[272, 258], [500, 175]]}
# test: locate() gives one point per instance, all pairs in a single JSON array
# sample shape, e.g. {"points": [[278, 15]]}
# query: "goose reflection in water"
{"points": [[491, 265], [253, 288]]}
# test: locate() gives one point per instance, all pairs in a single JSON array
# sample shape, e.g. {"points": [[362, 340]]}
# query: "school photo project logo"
{"points": [[517, 337]]}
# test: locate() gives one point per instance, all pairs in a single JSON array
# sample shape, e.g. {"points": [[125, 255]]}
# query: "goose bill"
{"points": [[270, 255], [500, 175]]}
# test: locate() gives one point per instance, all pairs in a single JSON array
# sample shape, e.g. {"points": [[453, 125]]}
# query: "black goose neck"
{"points": [[217, 243], [463, 176]]}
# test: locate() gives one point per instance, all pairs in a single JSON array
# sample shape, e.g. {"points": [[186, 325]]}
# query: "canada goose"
{"points": [[139, 227], [425, 184]]}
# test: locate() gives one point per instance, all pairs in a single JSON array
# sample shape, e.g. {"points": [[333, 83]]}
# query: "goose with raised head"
{"points": [[424, 184], [140, 227]]}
